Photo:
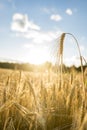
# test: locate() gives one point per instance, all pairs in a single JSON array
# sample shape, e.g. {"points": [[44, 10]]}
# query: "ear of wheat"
{"points": [[61, 41]]}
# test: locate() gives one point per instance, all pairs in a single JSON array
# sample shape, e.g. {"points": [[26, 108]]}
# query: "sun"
{"points": [[38, 56]]}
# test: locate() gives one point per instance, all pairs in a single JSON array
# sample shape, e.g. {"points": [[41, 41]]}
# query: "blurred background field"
{"points": [[35, 100]]}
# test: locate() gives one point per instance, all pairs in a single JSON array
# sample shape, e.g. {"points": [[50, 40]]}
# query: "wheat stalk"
{"points": [[84, 123], [60, 57], [80, 61], [61, 44]]}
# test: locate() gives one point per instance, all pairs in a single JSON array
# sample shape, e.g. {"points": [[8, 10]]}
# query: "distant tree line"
{"points": [[31, 67]]}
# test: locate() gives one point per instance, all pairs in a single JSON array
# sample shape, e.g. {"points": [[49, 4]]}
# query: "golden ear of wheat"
{"points": [[61, 43]]}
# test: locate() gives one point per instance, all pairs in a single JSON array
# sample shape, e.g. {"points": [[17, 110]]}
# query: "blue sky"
{"points": [[29, 29]]}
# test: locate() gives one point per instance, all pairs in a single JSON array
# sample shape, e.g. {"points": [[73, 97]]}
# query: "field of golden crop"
{"points": [[38, 101], [52, 99]]}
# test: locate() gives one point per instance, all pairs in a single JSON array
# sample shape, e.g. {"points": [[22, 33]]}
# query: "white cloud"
{"points": [[18, 16], [69, 11], [21, 23], [56, 17], [41, 46], [41, 37]]}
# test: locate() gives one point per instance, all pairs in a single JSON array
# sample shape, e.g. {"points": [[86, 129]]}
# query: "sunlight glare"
{"points": [[38, 55]]}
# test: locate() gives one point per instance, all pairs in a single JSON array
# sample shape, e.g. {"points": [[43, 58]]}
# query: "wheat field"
{"points": [[43, 100]]}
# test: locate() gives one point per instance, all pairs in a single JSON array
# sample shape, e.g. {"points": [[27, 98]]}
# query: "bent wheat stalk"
{"points": [[61, 44], [83, 81]]}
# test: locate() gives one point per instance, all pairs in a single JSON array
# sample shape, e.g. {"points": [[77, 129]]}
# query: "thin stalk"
{"points": [[61, 42], [80, 60]]}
